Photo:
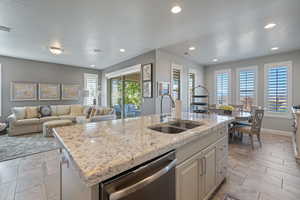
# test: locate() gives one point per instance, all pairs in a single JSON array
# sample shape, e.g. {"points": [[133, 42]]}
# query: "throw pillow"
{"points": [[19, 112], [45, 111], [32, 112], [76, 110], [93, 113]]}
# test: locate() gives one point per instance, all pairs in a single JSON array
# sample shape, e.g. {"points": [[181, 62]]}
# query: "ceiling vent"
{"points": [[4, 28]]}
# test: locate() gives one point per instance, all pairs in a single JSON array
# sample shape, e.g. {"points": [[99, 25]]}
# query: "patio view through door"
{"points": [[126, 96]]}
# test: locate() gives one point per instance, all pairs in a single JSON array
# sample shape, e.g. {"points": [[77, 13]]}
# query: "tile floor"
{"points": [[34, 177], [269, 173]]}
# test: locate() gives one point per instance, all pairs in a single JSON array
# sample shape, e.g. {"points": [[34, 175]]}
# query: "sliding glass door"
{"points": [[126, 97]]}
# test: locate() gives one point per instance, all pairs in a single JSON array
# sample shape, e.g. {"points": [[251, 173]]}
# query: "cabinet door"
{"points": [[210, 169], [187, 180]]}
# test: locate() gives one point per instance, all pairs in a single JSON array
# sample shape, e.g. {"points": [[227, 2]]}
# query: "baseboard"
{"points": [[277, 132]]}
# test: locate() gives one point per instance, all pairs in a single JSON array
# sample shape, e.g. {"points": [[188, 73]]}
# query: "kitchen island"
{"points": [[95, 152]]}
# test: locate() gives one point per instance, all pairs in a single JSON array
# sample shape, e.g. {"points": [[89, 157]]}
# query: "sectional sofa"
{"points": [[26, 120]]}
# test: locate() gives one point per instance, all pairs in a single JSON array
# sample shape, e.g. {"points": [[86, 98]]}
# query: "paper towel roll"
{"points": [[178, 109]]}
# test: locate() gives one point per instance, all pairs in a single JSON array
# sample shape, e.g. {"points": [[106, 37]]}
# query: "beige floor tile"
{"points": [[8, 174], [7, 191], [35, 193]]}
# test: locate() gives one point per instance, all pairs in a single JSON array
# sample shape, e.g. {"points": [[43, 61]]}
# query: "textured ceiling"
{"points": [[226, 29]]}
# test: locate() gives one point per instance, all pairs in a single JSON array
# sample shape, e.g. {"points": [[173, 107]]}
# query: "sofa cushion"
{"points": [[27, 121], [19, 112], [49, 118], [87, 110], [63, 110], [68, 117], [45, 111], [53, 110], [32, 112], [104, 111], [76, 110]]}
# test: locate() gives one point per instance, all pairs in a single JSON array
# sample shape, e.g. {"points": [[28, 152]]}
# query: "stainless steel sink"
{"points": [[167, 129], [176, 126], [186, 124]]}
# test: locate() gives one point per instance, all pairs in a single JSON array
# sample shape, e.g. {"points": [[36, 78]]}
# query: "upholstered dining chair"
{"points": [[254, 128]]}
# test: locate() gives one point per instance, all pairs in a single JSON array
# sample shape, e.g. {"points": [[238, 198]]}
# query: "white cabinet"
{"points": [[187, 180], [210, 170], [199, 176]]}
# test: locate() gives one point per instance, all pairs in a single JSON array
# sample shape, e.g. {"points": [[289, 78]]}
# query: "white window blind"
{"points": [[91, 84], [222, 84], [278, 92], [176, 82], [247, 80]]}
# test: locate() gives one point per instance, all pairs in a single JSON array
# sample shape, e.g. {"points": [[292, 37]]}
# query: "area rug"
{"points": [[25, 145], [229, 197]]}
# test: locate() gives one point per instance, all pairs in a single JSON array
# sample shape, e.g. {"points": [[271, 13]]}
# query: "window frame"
{"points": [[238, 70], [86, 76], [180, 68], [289, 65], [194, 72], [229, 84]]}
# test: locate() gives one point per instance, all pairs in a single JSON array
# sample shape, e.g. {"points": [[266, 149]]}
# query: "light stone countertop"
{"points": [[104, 149]]}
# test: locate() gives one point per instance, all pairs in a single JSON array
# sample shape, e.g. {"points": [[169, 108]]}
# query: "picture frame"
{"points": [[70, 91], [49, 91], [147, 89], [147, 72], [23, 91]]}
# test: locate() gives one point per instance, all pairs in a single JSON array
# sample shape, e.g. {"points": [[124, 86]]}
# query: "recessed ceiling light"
{"points": [[270, 26], [274, 48], [122, 50], [192, 48], [55, 50], [176, 9], [92, 65], [5, 28], [215, 60]]}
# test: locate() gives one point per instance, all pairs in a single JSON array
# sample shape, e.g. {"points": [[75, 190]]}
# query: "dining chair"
{"points": [[255, 127]]}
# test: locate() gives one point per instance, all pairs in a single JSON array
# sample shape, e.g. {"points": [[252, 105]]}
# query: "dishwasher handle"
{"points": [[130, 189]]}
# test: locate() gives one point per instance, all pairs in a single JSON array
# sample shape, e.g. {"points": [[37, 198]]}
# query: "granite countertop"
{"points": [[102, 150]]}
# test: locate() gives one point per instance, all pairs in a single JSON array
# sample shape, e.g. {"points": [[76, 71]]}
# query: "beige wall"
{"points": [[283, 124]]}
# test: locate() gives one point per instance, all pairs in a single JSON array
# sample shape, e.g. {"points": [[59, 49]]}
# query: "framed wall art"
{"points": [[70, 91], [23, 91], [147, 89], [147, 80], [147, 72], [49, 91]]}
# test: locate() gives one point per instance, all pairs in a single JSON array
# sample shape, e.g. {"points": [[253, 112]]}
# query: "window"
{"points": [[278, 87], [222, 86], [91, 85], [192, 84], [176, 80], [246, 86]]}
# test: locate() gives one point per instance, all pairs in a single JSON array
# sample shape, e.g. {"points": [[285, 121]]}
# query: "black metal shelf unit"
{"points": [[200, 99]]}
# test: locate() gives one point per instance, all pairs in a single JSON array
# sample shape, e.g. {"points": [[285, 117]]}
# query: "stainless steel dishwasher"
{"points": [[153, 180]]}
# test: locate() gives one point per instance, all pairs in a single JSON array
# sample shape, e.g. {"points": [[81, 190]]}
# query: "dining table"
{"points": [[237, 115]]}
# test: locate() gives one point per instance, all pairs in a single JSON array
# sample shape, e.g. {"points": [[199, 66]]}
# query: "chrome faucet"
{"points": [[161, 105]]}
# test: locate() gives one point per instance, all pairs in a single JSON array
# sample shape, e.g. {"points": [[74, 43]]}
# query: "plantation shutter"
{"points": [[222, 87], [247, 86], [91, 84], [176, 83], [277, 92]]}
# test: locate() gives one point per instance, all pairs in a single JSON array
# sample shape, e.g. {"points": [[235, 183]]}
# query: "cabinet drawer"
{"points": [[222, 149], [221, 171]]}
